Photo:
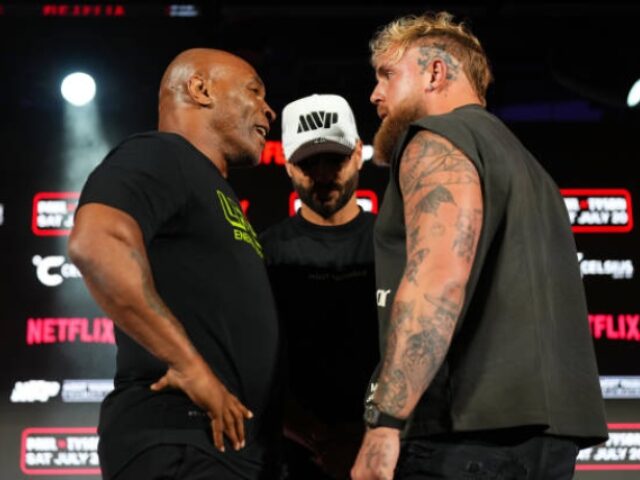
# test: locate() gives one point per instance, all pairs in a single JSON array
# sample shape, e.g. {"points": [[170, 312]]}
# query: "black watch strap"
{"points": [[375, 418]]}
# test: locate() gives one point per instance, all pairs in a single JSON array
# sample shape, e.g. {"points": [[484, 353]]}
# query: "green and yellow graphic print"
{"points": [[242, 229]]}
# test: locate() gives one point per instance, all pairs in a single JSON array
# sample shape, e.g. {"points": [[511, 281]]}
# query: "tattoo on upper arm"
{"points": [[437, 229], [414, 263], [425, 192], [150, 295], [431, 202], [412, 239], [453, 167], [467, 226]]}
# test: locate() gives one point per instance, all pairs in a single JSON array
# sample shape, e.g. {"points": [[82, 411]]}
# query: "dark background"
{"points": [[562, 72]]}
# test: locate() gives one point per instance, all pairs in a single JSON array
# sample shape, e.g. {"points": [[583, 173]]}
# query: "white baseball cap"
{"points": [[318, 124]]}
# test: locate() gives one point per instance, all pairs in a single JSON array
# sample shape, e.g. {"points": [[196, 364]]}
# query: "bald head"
{"points": [[216, 101], [201, 64]]}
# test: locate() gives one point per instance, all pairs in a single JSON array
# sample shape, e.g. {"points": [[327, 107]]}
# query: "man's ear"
{"points": [[436, 75], [357, 153], [199, 90], [289, 168]]}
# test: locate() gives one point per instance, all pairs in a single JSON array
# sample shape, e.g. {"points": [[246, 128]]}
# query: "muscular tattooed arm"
{"points": [[107, 246], [443, 216]]}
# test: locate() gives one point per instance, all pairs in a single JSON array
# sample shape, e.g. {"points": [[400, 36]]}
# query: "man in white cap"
{"points": [[321, 268]]}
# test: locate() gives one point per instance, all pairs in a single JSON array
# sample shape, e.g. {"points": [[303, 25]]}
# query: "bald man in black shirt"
{"points": [[165, 250]]}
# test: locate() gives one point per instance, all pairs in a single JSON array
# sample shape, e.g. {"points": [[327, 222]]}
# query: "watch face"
{"points": [[371, 415], [374, 418]]}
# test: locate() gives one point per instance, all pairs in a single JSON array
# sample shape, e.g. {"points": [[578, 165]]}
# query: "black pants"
{"points": [[537, 458], [175, 462]]}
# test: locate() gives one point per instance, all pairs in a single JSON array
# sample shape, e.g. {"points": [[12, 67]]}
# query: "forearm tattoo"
{"points": [[466, 227], [377, 456], [392, 384], [150, 294], [413, 265]]}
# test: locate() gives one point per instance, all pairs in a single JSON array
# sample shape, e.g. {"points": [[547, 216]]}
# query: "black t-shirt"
{"points": [[323, 279], [208, 268]]}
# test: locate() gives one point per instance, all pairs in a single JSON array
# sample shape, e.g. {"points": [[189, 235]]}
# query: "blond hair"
{"points": [[396, 37]]}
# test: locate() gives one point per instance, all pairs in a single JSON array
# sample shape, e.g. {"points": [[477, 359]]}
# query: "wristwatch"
{"points": [[374, 418]]}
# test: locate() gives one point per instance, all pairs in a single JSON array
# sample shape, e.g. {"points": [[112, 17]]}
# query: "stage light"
{"points": [[78, 88], [634, 95], [367, 152]]}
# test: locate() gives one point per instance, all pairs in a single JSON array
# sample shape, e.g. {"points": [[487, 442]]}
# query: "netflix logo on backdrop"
{"points": [[54, 330], [621, 327], [599, 210]]}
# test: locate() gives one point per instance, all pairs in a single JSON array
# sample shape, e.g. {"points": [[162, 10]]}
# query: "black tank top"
{"points": [[522, 354]]}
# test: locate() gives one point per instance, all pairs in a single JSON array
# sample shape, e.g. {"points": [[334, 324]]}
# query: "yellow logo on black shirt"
{"points": [[242, 229]]}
